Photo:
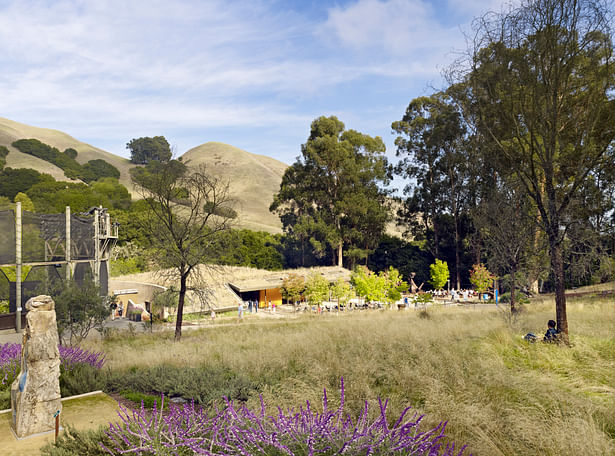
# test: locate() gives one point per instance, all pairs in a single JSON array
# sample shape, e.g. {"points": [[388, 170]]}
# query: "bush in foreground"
{"points": [[239, 431], [79, 370], [206, 385]]}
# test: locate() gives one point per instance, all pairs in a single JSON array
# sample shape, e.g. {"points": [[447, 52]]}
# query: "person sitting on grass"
{"points": [[552, 334]]}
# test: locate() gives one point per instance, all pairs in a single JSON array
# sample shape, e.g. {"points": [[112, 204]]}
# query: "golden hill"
{"points": [[11, 131], [253, 178]]}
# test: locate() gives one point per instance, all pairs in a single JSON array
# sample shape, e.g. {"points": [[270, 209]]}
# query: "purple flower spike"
{"points": [[239, 431], [10, 360]]}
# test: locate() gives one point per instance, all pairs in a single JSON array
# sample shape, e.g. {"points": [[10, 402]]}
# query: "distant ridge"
{"points": [[254, 179]]}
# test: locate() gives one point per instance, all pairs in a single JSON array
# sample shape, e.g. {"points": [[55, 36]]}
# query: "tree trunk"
{"points": [[436, 239], [457, 260], [512, 290], [339, 254], [557, 265], [302, 252], [180, 307]]}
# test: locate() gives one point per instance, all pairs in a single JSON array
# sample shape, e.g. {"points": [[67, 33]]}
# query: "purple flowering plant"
{"points": [[10, 355], [188, 429], [10, 359]]}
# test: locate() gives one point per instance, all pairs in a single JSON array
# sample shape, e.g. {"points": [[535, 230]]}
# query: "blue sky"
{"points": [[253, 74]]}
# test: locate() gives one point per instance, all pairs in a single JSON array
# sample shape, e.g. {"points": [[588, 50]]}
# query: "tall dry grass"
{"points": [[499, 394]]}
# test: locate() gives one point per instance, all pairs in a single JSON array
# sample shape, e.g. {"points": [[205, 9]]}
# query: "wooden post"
{"points": [[68, 264], [96, 247], [56, 415], [18, 267]]}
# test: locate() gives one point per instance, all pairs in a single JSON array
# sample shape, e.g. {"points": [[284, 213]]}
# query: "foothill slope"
{"points": [[253, 178]]}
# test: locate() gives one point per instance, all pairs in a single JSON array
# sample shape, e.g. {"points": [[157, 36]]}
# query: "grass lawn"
{"points": [[470, 367]]}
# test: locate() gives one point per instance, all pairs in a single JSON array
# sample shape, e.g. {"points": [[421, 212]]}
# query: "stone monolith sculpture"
{"points": [[35, 393]]}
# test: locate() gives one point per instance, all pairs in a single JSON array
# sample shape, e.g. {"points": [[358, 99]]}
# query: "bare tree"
{"points": [[508, 233], [188, 209]]}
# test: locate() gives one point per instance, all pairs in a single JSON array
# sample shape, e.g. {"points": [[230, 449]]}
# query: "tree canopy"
{"points": [[434, 157], [332, 197], [540, 90], [144, 150], [439, 274]]}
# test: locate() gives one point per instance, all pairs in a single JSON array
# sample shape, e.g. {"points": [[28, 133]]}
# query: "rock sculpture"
{"points": [[35, 393]]}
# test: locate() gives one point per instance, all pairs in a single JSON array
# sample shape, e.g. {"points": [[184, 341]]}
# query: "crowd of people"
{"points": [[462, 295]]}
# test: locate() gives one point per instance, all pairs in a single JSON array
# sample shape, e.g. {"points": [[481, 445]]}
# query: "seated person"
{"points": [[552, 334]]}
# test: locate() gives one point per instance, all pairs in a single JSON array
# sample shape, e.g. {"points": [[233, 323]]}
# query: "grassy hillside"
{"points": [[11, 131], [253, 178]]}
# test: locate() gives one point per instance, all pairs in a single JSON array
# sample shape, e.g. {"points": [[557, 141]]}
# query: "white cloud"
{"points": [[394, 26], [116, 68]]}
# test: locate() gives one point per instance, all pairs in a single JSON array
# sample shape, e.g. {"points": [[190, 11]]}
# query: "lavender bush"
{"points": [[10, 355], [238, 431], [10, 358], [70, 356]]}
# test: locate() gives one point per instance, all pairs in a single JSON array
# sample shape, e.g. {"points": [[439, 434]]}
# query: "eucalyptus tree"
{"points": [[333, 196], [434, 157], [541, 84]]}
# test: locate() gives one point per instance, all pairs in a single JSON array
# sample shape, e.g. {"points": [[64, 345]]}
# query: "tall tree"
{"points": [[541, 83], [433, 156], [187, 210], [332, 195], [144, 150], [508, 233]]}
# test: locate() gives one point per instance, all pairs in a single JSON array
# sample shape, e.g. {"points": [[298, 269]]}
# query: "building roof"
{"points": [[275, 279]]}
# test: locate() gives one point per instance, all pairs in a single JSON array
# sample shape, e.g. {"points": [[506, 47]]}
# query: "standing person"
{"points": [[256, 304], [120, 309], [269, 306], [240, 310], [213, 314], [249, 306]]}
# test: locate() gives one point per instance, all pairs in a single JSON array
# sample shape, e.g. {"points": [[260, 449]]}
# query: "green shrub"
{"points": [[520, 298], [34, 147], [423, 298], [72, 442], [97, 169], [124, 266], [91, 171], [148, 400], [205, 385], [5, 399], [81, 378], [13, 181], [3, 153]]}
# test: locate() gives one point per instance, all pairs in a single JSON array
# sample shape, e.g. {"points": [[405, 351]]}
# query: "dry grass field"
{"points": [[499, 394]]}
